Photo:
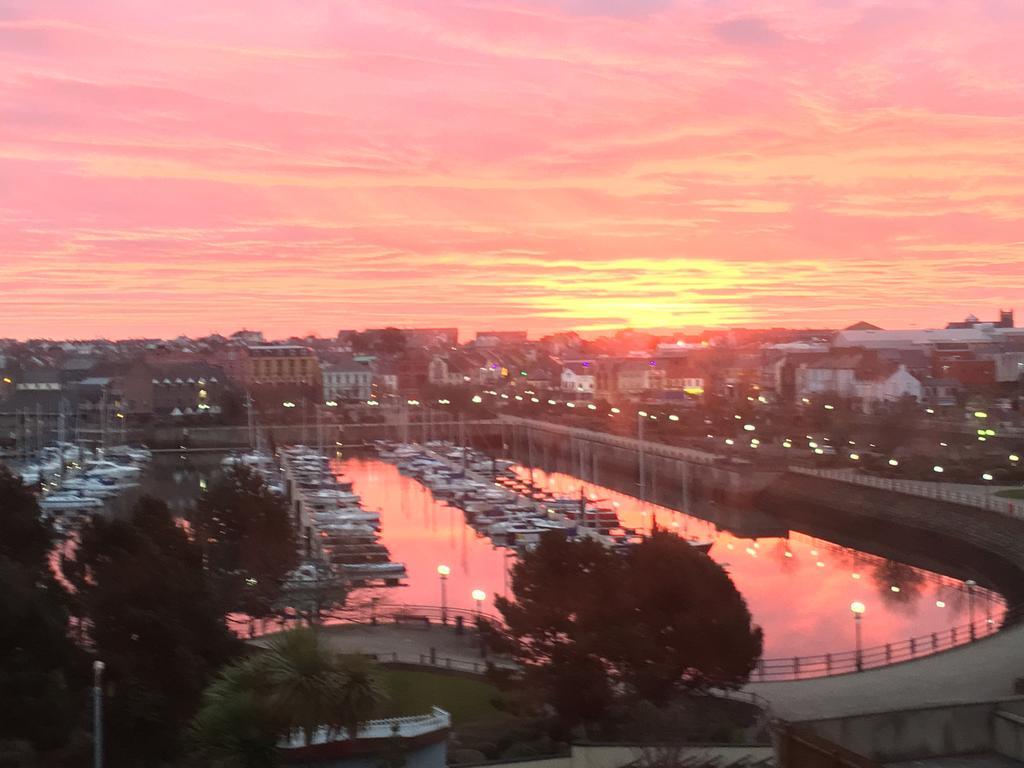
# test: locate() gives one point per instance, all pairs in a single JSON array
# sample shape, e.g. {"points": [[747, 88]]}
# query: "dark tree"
{"points": [[24, 537], [154, 621], [311, 598], [586, 623], [247, 536], [391, 341], [41, 670], [688, 627]]}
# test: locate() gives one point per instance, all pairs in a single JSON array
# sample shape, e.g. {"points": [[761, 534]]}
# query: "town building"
{"points": [[347, 380], [282, 364], [579, 378], [488, 339], [857, 375]]}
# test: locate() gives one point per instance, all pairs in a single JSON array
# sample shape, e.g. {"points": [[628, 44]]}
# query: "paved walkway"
{"points": [[980, 671], [410, 644]]}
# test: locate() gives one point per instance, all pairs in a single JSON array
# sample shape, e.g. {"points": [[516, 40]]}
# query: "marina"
{"points": [[798, 587], [385, 529]]}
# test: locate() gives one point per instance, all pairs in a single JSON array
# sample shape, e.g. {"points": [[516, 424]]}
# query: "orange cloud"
{"points": [[536, 164]]}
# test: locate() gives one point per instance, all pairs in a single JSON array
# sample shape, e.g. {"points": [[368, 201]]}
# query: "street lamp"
{"points": [[97, 713], [479, 596], [970, 584], [444, 571], [858, 608]]}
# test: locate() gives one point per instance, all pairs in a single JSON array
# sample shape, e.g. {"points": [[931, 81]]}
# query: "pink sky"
{"points": [[182, 166]]}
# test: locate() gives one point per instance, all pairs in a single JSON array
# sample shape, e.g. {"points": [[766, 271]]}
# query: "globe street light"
{"points": [[858, 608], [970, 584], [479, 596], [443, 571]]}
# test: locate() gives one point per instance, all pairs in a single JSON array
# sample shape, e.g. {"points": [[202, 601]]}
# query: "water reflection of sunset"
{"points": [[799, 589]]}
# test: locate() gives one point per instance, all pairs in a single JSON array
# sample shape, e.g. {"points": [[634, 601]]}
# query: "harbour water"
{"points": [[799, 589]]}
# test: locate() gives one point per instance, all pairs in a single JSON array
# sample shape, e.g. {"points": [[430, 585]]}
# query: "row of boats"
{"points": [[500, 505], [75, 482], [341, 538]]}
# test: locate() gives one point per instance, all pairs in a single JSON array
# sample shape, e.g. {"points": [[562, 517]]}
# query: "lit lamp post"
{"points": [[857, 608], [97, 713], [479, 596], [443, 571], [970, 584]]}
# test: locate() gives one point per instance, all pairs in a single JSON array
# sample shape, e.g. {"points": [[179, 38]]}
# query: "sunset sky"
{"points": [[188, 166]]}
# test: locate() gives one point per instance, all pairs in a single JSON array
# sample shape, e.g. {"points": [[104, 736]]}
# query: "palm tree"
{"points": [[361, 695], [296, 683], [234, 728]]}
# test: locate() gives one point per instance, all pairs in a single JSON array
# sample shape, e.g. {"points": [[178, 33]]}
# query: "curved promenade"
{"points": [[981, 671]]}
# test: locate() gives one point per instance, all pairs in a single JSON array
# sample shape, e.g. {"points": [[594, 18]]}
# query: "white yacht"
{"points": [[61, 502], [105, 468]]}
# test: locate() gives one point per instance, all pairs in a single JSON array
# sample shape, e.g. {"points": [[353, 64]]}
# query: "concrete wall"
{"points": [[959, 729], [619, 755], [1008, 734], [660, 473], [958, 540]]}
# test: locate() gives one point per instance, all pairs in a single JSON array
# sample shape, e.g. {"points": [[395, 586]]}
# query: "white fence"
{"points": [[403, 727], [921, 488]]}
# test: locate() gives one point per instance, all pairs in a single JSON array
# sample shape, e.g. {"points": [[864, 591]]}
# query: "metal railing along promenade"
{"points": [[921, 488], [766, 670], [877, 656], [369, 614]]}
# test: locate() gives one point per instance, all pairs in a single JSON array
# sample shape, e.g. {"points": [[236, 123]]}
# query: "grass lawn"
{"points": [[415, 692], [1016, 493]]}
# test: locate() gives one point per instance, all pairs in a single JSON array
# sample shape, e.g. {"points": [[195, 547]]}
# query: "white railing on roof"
{"points": [[921, 488], [390, 727]]}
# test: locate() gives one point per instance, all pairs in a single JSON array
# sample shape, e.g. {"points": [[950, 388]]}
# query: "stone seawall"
{"points": [[979, 544]]}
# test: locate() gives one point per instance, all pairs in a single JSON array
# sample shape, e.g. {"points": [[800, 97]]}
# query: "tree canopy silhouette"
{"points": [[247, 537], [154, 621], [589, 625]]}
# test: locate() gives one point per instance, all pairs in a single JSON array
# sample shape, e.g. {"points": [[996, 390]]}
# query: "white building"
{"points": [[857, 376], [348, 380], [830, 374], [578, 378], [888, 387]]}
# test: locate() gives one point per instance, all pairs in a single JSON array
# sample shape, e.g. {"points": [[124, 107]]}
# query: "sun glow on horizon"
{"points": [[532, 164]]}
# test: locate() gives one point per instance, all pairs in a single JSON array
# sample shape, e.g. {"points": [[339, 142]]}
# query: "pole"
{"points": [[462, 441], [970, 584], [444, 599], [97, 713], [640, 453], [250, 420], [856, 624]]}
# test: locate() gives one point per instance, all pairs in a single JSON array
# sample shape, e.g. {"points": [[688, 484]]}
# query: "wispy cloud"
{"points": [[522, 163]]}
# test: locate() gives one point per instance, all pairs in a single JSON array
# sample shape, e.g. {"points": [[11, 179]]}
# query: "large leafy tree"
{"points": [[153, 620], [689, 627], [248, 539], [588, 625], [24, 537], [41, 671], [296, 684]]}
